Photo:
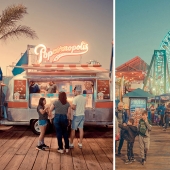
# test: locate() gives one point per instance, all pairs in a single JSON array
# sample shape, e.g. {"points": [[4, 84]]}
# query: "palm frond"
{"points": [[11, 15], [19, 31]]}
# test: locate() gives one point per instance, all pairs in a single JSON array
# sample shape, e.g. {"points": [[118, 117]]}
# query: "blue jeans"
{"points": [[77, 122], [61, 124]]}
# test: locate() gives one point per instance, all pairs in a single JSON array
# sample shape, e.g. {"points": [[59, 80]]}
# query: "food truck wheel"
{"points": [[35, 127]]}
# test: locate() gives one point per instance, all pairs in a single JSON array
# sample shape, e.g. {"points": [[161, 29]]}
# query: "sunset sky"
{"points": [[64, 22]]}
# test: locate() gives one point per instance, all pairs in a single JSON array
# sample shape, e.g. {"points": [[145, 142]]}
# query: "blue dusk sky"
{"points": [[140, 27], [64, 22]]}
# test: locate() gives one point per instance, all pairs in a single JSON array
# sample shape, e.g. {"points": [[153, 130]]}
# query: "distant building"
{"points": [[130, 76]]}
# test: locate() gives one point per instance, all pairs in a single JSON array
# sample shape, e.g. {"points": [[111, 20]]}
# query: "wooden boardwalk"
{"points": [[17, 150], [158, 155]]}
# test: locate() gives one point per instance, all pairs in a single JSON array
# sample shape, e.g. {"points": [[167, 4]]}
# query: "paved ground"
{"points": [[158, 156], [17, 150]]}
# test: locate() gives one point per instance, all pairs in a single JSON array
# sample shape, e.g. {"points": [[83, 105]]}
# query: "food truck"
{"points": [[20, 105]]}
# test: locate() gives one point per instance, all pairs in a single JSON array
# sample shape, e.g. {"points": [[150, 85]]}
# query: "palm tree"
{"points": [[8, 23]]}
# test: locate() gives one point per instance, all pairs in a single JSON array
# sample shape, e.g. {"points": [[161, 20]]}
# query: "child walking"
{"points": [[144, 129], [130, 132]]}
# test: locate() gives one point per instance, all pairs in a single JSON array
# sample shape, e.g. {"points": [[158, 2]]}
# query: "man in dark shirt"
{"points": [[34, 88], [122, 118]]}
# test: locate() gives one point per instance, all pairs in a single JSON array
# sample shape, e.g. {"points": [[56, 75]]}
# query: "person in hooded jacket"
{"points": [[129, 133]]}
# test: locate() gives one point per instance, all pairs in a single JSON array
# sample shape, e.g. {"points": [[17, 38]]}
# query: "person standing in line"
{"points": [[43, 120], [78, 105], [122, 118], [144, 129], [61, 121]]}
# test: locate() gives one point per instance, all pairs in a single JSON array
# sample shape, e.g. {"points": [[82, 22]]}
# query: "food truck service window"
{"points": [[103, 89], [19, 89]]}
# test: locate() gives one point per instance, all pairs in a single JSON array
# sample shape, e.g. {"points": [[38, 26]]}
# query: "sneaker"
{"points": [[67, 150], [71, 145], [45, 146], [143, 161], [128, 161], [118, 154], [80, 145], [133, 159], [40, 148], [60, 150]]}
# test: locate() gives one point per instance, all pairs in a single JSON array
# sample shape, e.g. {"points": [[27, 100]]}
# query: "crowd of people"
{"points": [[125, 130], [160, 115], [62, 120]]}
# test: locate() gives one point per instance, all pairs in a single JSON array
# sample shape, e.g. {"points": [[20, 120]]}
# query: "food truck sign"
{"points": [[45, 55]]}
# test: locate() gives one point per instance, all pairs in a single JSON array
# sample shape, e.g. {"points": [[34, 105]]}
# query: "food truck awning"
{"points": [[79, 68]]}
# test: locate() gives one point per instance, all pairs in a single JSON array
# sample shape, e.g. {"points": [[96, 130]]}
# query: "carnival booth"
{"points": [[137, 102], [94, 80]]}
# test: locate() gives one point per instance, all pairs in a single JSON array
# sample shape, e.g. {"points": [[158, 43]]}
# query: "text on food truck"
{"points": [[61, 51]]}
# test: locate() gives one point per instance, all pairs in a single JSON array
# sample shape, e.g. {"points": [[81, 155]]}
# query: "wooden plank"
{"points": [[78, 159], [158, 154], [54, 157], [10, 152], [20, 154], [89, 157], [30, 157], [42, 156], [4, 128], [104, 162], [10, 142], [106, 144], [5, 137], [17, 151], [66, 161], [15, 162], [26, 145]]}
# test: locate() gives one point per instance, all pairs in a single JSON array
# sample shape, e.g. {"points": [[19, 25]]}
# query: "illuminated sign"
{"points": [[45, 55]]}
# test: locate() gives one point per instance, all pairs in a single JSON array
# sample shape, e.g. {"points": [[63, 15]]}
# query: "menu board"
{"points": [[19, 89], [103, 89], [137, 105]]}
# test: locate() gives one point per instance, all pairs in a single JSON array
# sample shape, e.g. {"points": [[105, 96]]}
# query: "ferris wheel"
{"points": [[165, 45], [158, 75]]}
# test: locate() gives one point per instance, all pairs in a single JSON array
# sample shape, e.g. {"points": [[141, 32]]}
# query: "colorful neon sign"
{"points": [[45, 55]]}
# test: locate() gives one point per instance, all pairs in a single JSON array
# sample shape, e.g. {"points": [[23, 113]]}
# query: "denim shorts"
{"points": [[42, 122], [77, 122]]}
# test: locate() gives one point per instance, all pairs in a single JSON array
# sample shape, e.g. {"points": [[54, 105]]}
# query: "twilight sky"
{"points": [[63, 22], [140, 27]]}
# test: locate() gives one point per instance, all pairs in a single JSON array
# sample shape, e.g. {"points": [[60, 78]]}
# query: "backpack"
{"points": [[142, 127]]}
